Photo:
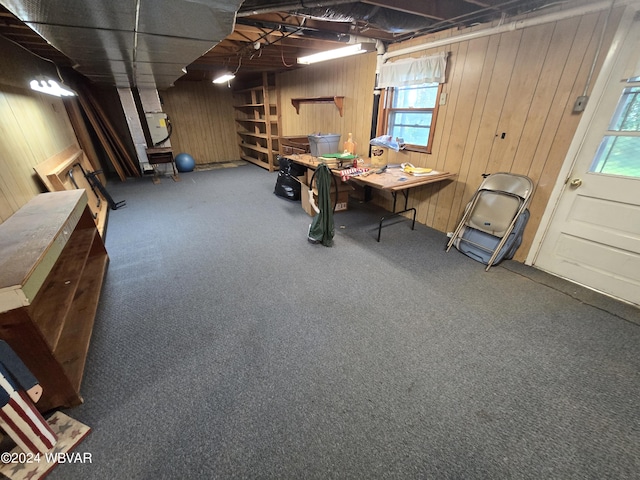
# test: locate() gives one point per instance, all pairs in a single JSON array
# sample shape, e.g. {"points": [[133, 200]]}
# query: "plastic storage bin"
{"points": [[324, 144]]}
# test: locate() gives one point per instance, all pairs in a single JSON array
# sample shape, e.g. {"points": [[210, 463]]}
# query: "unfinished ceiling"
{"points": [[147, 43]]}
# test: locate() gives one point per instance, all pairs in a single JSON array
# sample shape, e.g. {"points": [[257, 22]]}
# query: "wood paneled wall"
{"points": [[202, 117], [353, 78], [509, 108], [33, 127]]}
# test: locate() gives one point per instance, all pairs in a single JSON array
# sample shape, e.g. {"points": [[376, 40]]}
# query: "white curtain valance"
{"points": [[413, 71]]}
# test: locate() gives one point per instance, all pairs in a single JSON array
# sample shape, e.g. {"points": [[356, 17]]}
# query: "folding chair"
{"points": [[493, 220]]}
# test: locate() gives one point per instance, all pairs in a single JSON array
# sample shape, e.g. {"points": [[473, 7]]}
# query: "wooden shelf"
{"points": [[55, 297], [257, 135], [257, 88], [258, 124], [273, 121], [256, 148], [250, 105], [73, 346], [52, 265], [338, 101], [251, 120], [254, 160]]}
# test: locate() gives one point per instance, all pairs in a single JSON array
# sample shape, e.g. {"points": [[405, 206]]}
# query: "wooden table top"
{"points": [[393, 179]]}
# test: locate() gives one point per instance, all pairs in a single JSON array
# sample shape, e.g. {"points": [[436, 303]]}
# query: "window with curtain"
{"points": [[412, 89]]}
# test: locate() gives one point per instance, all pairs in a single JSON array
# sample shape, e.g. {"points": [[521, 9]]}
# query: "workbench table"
{"points": [[393, 180]]}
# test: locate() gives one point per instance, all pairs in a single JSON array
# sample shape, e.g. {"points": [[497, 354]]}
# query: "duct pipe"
{"points": [[509, 27], [286, 6], [381, 49], [360, 39]]}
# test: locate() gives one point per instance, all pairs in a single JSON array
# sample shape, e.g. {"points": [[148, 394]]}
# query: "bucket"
{"points": [[324, 144]]}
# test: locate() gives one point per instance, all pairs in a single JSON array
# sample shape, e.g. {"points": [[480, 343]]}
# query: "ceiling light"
{"points": [[224, 78], [337, 53], [51, 87]]}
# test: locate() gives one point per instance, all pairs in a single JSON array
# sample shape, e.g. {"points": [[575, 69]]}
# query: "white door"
{"points": [[593, 237]]}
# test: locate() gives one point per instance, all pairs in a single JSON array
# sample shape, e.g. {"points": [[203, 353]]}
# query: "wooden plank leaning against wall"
{"points": [[522, 83]]}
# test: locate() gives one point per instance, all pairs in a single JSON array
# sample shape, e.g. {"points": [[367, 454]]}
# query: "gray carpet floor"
{"points": [[227, 346]]}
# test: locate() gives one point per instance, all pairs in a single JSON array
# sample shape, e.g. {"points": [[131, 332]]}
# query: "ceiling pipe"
{"points": [[291, 29], [509, 27], [381, 49], [278, 7], [359, 39]]}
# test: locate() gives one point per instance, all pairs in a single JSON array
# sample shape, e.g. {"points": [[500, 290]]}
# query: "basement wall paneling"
{"points": [[33, 127], [353, 78], [522, 84], [560, 127], [201, 114]]}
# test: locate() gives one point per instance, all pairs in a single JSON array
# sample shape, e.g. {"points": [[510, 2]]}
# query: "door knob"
{"points": [[576, 182]]}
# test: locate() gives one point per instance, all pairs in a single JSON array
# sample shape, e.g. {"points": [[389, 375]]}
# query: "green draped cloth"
{"points": [[322, 228]]}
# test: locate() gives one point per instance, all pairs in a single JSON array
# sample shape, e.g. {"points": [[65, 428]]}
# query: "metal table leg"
{"points": [[395, 214]]}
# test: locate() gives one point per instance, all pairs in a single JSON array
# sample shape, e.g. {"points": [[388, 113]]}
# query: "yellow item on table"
{"points": [[416, 171]]}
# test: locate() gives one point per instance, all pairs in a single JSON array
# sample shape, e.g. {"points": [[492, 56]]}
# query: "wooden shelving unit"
{"points": [[339, 102], [52, 264], [258, 122]]}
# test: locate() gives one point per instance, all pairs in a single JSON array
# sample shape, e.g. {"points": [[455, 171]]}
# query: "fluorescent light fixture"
{"points": [[337, 53], [224, 78], [51, 87]]}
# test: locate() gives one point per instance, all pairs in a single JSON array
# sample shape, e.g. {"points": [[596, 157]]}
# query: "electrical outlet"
{"points": [[581, 103]]}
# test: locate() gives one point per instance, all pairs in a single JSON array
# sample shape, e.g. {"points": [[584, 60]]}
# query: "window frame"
{"points": [[613, 134], [386, 101]]}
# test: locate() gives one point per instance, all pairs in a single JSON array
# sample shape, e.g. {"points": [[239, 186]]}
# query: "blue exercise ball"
{"points": [[185, 162]]}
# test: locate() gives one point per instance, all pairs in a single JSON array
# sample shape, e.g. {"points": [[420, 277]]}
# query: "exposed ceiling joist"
{"points": [[106, 42], [436, 9]]}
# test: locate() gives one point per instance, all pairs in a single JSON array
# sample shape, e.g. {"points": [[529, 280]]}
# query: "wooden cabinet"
{"points": [[52, 264], [257, 120]]}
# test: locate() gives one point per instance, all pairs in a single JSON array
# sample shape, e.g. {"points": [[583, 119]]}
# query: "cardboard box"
{"points": [[343, 199]]}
